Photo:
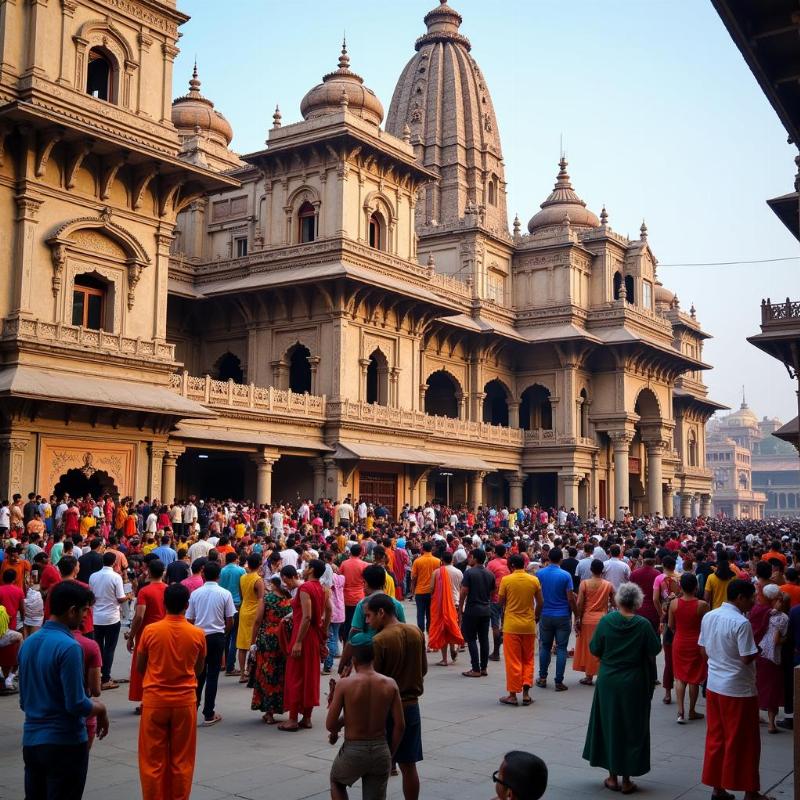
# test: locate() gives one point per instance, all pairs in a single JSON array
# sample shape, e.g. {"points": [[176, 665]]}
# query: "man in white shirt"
{"points": [[201, 548], [616, 571], [277, 521], [289, 556], [362, 511], [733, 741], [151, 523], [189, 517], [211, 608], [176, 518], [345, 512], [109, 594]]}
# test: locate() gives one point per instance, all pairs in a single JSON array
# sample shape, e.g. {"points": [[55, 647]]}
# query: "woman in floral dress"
{"points": [[269, 659]]}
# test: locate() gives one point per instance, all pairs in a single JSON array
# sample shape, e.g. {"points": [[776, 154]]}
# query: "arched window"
{"points": [[692, 449], [307, 221], [378, 379], [377, 231], [617, 284], [584, 413], [299, 369], [535, 411], [441, 396], [495, 404], [492, 192], [229, 368], [89, 296], [100, 75], [629, 293]]}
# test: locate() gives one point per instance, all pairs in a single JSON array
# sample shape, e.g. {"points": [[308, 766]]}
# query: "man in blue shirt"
{"points": [[229, 578], [54, 740], [556, 621], [165, 554]]}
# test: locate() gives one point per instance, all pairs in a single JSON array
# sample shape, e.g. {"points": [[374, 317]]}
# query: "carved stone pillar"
{"points": [[264, 460], [422, 489], [621, 442], [461, 398], [156, 465], [394, 387], [12, 464], [705, 505], [668, 503], [655, 477], [280, 374], [362, 384], [318, 466], [513, 415], [164, 241], [26, 222], [477, 406], [516, 481], [168, 476], [568, 489], [423, 388], [313, 362], [686, 504], [476, 489], [333, 482]]}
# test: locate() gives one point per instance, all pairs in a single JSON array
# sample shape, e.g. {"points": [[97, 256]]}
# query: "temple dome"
{"points": [[563, 202], [193, 112], [663, 296], [743, 418], [443, 98], [340, 88]]}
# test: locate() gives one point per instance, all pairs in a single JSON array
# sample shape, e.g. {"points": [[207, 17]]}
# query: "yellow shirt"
{"points": [[239, 530], [519, 590], [718, 589], [388, 587], [148, 548]]}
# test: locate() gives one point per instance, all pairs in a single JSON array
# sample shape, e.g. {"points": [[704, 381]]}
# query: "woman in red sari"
{"points": [[311, 614]]}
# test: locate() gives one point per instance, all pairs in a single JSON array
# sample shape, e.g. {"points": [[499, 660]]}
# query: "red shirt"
{"points": [[87, 626], [673, 544], [353, 569], [152, 598], [11, 596], [49, 578], [499, 568]]}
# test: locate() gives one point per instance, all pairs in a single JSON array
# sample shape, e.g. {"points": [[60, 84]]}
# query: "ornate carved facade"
{"points": [[346, 310]]}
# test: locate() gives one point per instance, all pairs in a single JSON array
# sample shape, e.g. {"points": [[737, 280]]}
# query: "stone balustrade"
{"points": [[544, 438], [85, 339]]}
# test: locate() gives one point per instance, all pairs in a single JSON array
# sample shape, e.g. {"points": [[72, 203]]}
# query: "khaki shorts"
{"points": [[369, 760]]}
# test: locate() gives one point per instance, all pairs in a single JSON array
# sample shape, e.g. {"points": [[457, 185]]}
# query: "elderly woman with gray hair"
{"points": [[618, 736]]}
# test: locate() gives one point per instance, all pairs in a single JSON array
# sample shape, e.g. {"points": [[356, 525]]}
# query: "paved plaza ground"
{"points": [[465, 734]]}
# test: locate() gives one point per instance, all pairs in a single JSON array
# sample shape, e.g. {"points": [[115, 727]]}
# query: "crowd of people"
{"points": [[275, 596]]}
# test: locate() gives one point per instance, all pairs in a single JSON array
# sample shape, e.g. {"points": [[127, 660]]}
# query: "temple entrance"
{"points": [[80, 482], [542, 488], [379, 488]]}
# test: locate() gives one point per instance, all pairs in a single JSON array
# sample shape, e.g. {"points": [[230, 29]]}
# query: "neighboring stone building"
{"points": [[349, 311]]}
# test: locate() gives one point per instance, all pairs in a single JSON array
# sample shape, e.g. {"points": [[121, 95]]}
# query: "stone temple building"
{"points": [[345, 311]]}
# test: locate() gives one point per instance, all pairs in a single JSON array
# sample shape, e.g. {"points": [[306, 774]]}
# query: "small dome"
{"points": [[342, 88], [193, 111], [563, 201], [443, 24], [663, 296], [743, 418]]}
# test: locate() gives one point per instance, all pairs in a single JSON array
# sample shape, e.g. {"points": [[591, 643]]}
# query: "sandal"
{"points": [[541, 683], [680, 720], [696, 715], [442, 664], [666, 701], [526, 701], [471, 674], [561, 687], [507, 701], [289, 727], [614, 787], [631, 789], [268, 719], [207, 723], [109, 685], [586, 681]]}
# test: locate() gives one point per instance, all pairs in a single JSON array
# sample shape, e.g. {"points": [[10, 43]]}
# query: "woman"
{"points": [[618, 735], [269, 658], [665, 589], [595, 598], [717, 583], [684, 616], [311, 614], [769, 629], [251, 588]]}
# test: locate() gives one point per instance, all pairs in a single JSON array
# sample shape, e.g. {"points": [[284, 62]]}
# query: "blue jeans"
{"points": [[550, 628], [423, 611], [230, 644], [333, 644]]}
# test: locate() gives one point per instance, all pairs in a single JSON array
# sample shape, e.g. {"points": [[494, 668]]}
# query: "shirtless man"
{"points": [[361, 704]]}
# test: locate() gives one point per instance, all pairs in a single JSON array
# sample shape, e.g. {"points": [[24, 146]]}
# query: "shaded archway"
{"points": [[584, 413], [535, 411], [229, 367], [630, 294], [441, 396], [78, 483], [495, 404], [617, 284], [378, 378], [299, 369]]}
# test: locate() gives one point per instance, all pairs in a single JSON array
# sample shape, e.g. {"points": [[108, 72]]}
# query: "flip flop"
{"points": [[506, 702], [631, 789], [697, 715], [614, 787], [207, 723], [287, 727], [442, 664], [526, 701], [586, 681]]}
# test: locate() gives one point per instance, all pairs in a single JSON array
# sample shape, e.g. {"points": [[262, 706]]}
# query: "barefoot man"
{"points": [[361, 704]]}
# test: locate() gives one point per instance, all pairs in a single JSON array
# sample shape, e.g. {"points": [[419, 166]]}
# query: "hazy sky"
{"points": [[660, 116]]}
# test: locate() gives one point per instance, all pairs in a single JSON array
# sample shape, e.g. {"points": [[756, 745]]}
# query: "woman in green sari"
{"points": [[618, 736]]}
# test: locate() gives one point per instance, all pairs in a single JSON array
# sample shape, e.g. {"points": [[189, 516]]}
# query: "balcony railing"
{"points": [[774, 312], [544, 437], [232, 395], [85, 339]]}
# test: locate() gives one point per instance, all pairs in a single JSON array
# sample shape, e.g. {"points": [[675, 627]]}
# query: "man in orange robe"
{"points": [[445, 629], [170, 655]]}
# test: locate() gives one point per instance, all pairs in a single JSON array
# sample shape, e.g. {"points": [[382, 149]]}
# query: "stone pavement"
{"points": [[465, 734]]}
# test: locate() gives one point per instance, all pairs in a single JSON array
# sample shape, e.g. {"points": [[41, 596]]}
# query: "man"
{"points": [[372, 701], [8, 638], [180, 569], [195, 580], [170, 656], [616, 571], [12, 600], [57, 550], [229, 579], [21, 568], [109, 595], [522, 776], [792, 587], [422, 583], [498, 566], [521, 597], [445, 629], [176, 518], [353, 570], [52, 695], [164, 553], [399, 651], [211, 609], [583, 571], [92, 561], [344, 512], [474, 608], [733, 741], [68, 571], [555, 621], [201, 547]]}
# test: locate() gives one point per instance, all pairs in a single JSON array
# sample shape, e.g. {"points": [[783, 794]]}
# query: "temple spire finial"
{"points": [[276, 117], [194, 83], [344, 58]]}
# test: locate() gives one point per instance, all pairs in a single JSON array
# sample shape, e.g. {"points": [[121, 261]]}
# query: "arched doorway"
{"points": [[79, 482], [378, 378], [535, 411], [441, 396], [300, 369], [495, 404], [229, 367]]}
